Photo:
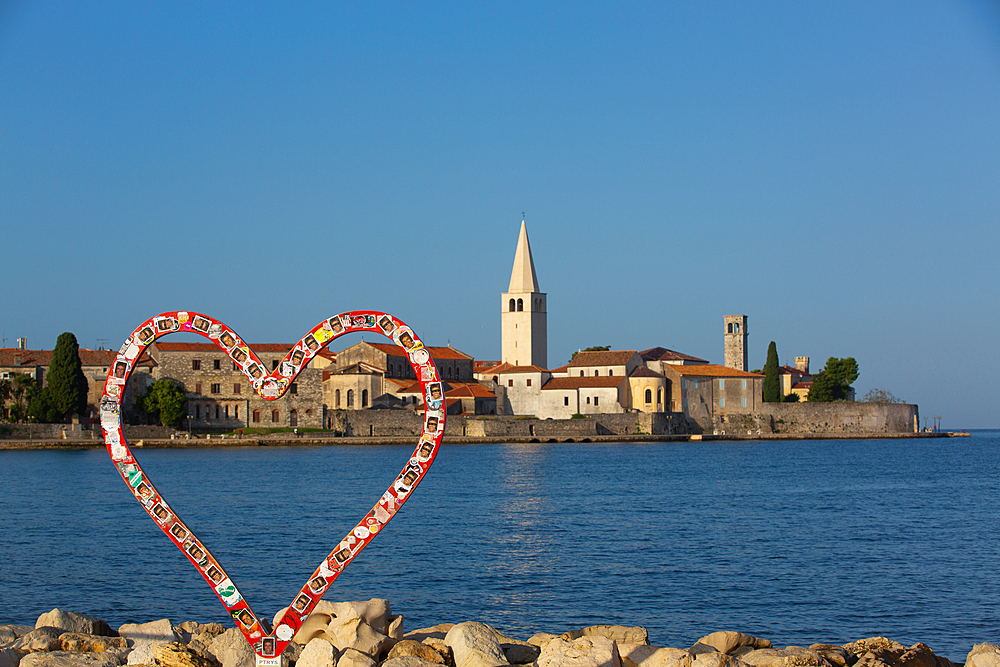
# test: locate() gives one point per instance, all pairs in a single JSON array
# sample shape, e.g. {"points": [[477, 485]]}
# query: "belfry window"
{"points": [[520, 305], [512, 305]]}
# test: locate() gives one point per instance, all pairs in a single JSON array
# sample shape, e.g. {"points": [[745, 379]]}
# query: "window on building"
{"points": [[235, 367], [528, 381], [275, 416], [581, 373], [196, 364], [512, 305], [350, 398], [216, 411], [197, 387], [510, 383], [743, 384], [649, 395], [743, 402], [611, 372], [217, 364], [236, 412], [364, 398], [722, 402], [588, 400], [596, 372], [695, 382], [274, 364], [208, 413], [216, 388], [449, 372], [256, 416], [596, 399], [293, 418], [293, 388], [659, 395], [237, 388], [722, 384], [520, 305], [565, 400], [336, 399], [197, 411]]}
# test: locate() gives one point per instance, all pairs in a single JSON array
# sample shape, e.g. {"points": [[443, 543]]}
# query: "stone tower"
{"points": [[523, 312], [736, 342]]}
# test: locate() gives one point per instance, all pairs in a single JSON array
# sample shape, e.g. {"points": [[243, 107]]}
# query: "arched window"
{"points": [[610, 372], [597, 372], [256, 416], [729, 328], [581, 373], [512, 305], [659, 395], [275, 416], [449, 371], [364, 398], [350, 398], [520, 305], [293, 418], [336, 399], [649, 395]]}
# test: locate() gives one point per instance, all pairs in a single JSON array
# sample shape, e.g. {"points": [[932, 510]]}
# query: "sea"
{"points": [[797, 542]]}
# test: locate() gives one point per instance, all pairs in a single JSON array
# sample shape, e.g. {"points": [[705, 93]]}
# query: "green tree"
{"points": [[165, 400], [4, 396], [772, 383], [832, 383], [66, 382], [42, 407], [22, 389], [595, 348], [881, 396]]}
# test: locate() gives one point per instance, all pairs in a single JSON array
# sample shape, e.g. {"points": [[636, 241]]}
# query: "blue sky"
{"points": [[831, 170]]}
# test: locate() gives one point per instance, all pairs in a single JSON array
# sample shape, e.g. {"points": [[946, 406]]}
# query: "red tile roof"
{"points": [[663, 354], [605, 358], [394, 350], [643, 372], [32, 358], [469, 391], [711, 370], [598, 382], [508, 369]]}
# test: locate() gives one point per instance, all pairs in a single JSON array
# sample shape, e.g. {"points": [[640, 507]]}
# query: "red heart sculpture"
{"points": [[267, 643]]}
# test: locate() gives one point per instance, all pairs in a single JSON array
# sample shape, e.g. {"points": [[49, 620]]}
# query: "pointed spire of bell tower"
{"points": [[522, 276]]}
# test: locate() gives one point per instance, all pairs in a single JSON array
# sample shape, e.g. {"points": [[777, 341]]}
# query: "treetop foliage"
{"points": [[165, 400], [595, 348], [881, 396], [772, 381], [832, 383], [65, 382]]}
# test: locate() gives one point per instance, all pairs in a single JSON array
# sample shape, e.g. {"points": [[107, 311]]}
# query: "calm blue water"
{"points": [[798, 542]]}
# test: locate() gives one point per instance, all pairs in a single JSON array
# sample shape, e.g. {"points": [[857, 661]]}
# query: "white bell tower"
{"points": [[523, 312]]}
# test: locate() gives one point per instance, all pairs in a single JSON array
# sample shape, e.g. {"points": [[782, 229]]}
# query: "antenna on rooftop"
{"points": [[101, 342]]}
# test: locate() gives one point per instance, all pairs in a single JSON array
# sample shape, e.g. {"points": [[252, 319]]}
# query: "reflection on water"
{"points": [[798, 542]]}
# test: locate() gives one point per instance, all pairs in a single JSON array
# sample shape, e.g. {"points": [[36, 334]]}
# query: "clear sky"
{"points": [[829, 169]]}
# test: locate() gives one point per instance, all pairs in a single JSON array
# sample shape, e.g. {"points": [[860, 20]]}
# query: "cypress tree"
{"points": [[66, 382], [772, 383]]}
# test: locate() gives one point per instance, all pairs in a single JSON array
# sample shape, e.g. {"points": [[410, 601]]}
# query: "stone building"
{"points": [[523, 312], [709, 393], [736, 342], [220, 396]]}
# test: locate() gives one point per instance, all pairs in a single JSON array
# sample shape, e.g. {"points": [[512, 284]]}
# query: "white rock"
{"points": [[354, 633], [644, 655], [725, 641], [435, 631], [318, 652], [716, 659], [231, 649], [475, 644], [984, 655], [70, 621], [144, 636], [591, 651], [395, 628], [620, 633], [409, 661], [793, 656], [353, 658], [70, 659]]}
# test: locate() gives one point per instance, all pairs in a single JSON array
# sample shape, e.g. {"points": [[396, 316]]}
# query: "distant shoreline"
{"points": [[309, 440]]}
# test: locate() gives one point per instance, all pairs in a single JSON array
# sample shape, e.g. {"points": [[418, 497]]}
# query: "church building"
{"points": [[523, 312]]}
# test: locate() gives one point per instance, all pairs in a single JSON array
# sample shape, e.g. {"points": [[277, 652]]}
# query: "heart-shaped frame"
{"points": [[269, 643]]}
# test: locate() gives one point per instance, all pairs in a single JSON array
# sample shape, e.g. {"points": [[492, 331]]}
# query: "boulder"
{"points": [[521, 654], [644, 655], [70, 659], [475, 644], [70, 621], [983, 655], [354, 658], [318, 652], [39, 640], [9, 633], [77, 641], [231, 650], [881, 651], [793, 656], [178, 655], [540, 639], [725, 641], [620, 633], [354, 632], [395, 628], [435, 631], [588, 651], [442, 648], [144, 636], [835, 655], [716, 659], [374, 612], [408, 661], [409, 647], [9, 657]]}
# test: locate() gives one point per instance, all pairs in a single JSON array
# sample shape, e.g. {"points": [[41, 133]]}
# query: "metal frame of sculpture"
{"points": [[269, 643]]}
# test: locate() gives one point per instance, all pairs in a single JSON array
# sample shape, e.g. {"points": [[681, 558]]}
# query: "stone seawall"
{"points": [[839, 418]]}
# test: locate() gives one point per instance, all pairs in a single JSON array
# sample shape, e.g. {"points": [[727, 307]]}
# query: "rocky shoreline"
{"points": [[368, 634]]}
